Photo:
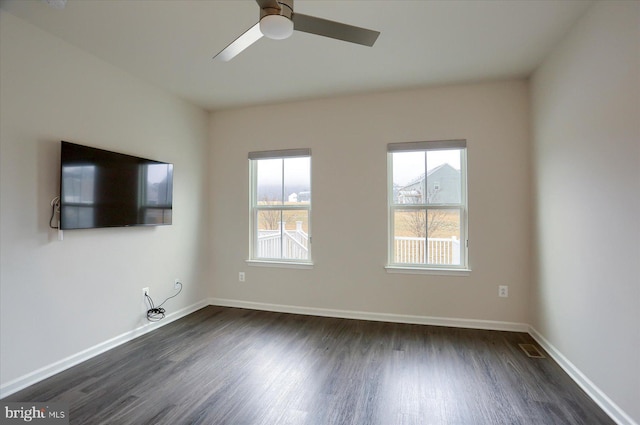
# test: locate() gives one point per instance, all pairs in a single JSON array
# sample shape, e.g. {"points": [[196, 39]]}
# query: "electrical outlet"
{"points": [[145, 292], [503, 291], [241, 277], [177, 284]]}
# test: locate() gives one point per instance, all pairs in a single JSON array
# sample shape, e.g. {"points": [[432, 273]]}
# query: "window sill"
{"points": [[422, 270], [279, 264]]}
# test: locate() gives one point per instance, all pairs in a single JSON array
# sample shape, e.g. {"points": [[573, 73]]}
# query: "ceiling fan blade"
{"points": [[249, 37], [337, 30]]}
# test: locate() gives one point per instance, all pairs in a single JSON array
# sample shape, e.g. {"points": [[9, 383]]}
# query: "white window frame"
{"points": [[255, 208], [393, 266]]}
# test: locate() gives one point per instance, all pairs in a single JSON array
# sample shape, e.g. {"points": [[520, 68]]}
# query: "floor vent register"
{"points": [[532, 351]]}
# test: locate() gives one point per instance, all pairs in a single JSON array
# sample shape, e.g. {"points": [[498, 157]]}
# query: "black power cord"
{"points": [[155, 314], [55, 208]]}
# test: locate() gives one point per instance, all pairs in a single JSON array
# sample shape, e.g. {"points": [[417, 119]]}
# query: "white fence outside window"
{"points": [[442, 251], [294, 245], [283, 243]]}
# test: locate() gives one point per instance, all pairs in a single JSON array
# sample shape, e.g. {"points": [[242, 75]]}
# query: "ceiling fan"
{"points": [[56, 4], [278, 20]]}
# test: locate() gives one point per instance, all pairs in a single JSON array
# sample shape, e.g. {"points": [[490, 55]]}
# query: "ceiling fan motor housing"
{"points": [[277, 23], [285, 9]]}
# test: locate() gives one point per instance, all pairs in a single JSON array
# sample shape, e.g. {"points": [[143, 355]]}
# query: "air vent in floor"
{"points": [[532, 351]]}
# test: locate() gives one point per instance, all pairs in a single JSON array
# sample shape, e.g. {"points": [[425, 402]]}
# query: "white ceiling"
{"points": [[170, 43]]}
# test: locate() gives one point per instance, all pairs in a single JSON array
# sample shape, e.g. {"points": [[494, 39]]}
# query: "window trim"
{"points": [[463, 207], [254, 208]]}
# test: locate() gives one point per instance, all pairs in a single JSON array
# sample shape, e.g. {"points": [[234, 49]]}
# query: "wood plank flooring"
{"points": [[233, 366]]}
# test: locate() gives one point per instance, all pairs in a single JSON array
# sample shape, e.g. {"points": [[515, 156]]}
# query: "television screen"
{"points": [[99, 188]]}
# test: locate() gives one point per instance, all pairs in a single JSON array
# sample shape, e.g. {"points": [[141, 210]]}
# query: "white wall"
{"points": [[586, 115], [348, 138], [58, 298]]}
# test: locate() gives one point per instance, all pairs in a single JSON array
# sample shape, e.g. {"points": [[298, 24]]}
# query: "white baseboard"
{"points": [[376, 317], [596, 394], [61, 365], [612, 409]]}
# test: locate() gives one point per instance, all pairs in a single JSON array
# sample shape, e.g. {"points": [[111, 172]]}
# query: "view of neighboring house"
{"points": [[303, 196], [441, 185]]}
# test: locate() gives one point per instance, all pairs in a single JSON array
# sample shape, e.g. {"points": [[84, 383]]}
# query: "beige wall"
{"points": [[348, 138], [586, 109], [59, 298]]}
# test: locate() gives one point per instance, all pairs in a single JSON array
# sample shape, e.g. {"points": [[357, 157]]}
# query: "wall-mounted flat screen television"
{"points": [[99, 188]]}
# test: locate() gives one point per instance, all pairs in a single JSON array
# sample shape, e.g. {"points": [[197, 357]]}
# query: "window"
{"points": [[281, 206], [427, 192]]}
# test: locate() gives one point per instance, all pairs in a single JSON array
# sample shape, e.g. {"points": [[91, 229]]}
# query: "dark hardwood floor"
{"points": [[234, 366]]}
